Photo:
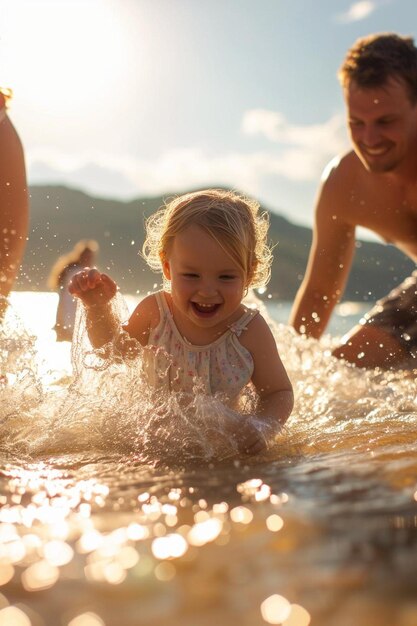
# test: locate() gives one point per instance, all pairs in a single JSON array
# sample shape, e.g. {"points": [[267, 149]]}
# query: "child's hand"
{"points": [[248, 438], [92, 287]]}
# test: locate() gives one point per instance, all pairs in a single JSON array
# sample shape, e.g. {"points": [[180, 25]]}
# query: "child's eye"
{"points": [[190, 275], [227, 277]]}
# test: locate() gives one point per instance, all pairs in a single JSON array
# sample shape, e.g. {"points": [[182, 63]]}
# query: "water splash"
{"points": [[107, 407], [105, 485]]}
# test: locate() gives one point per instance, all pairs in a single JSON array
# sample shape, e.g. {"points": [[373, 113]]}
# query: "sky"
{"points": [[129, 98]]}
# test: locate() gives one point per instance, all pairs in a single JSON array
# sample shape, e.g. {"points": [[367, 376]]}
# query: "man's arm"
{"points": [[329, 262]]}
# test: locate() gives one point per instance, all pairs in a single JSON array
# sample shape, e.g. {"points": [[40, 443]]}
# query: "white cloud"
{"points": [[298, 154], [329, 136], [176, 170], [357, 11], [305, 149]]}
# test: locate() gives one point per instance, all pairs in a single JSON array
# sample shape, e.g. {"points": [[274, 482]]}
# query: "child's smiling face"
{"points": [[207, 285]]}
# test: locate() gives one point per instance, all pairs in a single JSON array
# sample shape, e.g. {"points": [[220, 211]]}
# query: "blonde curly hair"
{"points": [[233, 220]]}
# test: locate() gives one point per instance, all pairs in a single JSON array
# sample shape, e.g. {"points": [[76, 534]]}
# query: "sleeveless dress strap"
{"points": [[242, 323], [162, 303]]}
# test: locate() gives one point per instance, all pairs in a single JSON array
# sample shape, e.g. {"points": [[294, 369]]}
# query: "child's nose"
{"points": [[207, 288]]}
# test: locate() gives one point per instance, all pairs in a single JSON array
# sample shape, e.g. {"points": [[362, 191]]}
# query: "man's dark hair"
{"points": [[372, 60]]}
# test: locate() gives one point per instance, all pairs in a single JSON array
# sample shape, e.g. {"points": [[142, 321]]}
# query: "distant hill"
{"points": [[61, 216]]}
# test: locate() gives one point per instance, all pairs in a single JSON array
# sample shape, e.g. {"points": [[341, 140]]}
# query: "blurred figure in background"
{"points": [[82, 255], [14, 203]]}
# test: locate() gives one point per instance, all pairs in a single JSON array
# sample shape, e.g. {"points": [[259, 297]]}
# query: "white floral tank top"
{"points": [[171, 362]]}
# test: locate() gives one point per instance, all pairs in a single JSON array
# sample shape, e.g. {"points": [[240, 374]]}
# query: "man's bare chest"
{"points": [[390, 214]]}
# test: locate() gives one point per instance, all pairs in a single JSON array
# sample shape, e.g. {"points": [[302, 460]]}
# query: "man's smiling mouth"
{"points": [[375, 151]]}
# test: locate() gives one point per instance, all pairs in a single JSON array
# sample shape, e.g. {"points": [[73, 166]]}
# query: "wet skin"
{"points": [[373, 186]]}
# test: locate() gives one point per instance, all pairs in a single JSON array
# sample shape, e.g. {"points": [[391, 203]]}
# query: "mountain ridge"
{"points": [[61, 216]]}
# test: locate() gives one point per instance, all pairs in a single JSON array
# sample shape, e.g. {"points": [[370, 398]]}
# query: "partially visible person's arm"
{"points": [[329, 262], [14, 205]]}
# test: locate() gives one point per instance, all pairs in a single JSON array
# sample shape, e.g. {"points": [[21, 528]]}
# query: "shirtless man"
{"points": [[374, 186], [13, 203]]}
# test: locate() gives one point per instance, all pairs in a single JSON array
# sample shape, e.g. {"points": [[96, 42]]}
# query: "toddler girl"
{"points": [[211, 248]]}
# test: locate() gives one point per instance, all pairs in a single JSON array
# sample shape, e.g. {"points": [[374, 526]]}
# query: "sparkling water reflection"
{"points": [[322, 530]]}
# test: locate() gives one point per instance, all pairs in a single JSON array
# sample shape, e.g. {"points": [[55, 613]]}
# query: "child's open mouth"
{"points": [[205, 309]]}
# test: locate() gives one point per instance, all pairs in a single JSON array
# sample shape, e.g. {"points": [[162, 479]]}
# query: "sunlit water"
{"points": [[120, 509]]}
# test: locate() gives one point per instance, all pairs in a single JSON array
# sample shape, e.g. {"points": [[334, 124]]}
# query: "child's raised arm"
{"points": [[96, 290]]}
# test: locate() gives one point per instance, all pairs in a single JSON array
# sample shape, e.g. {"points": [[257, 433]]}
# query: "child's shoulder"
{"points": [[144, 318], [149, 301], [257, 330], [150, 307]]}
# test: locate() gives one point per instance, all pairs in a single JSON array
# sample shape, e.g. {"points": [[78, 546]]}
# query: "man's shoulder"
{"points": [[341, 166], [341, 183]]}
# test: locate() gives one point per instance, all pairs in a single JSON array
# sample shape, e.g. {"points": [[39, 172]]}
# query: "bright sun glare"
{"points": [[55, 53]]}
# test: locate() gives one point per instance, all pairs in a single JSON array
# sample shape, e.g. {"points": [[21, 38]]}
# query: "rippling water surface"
{"points": [[116, 509]]}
